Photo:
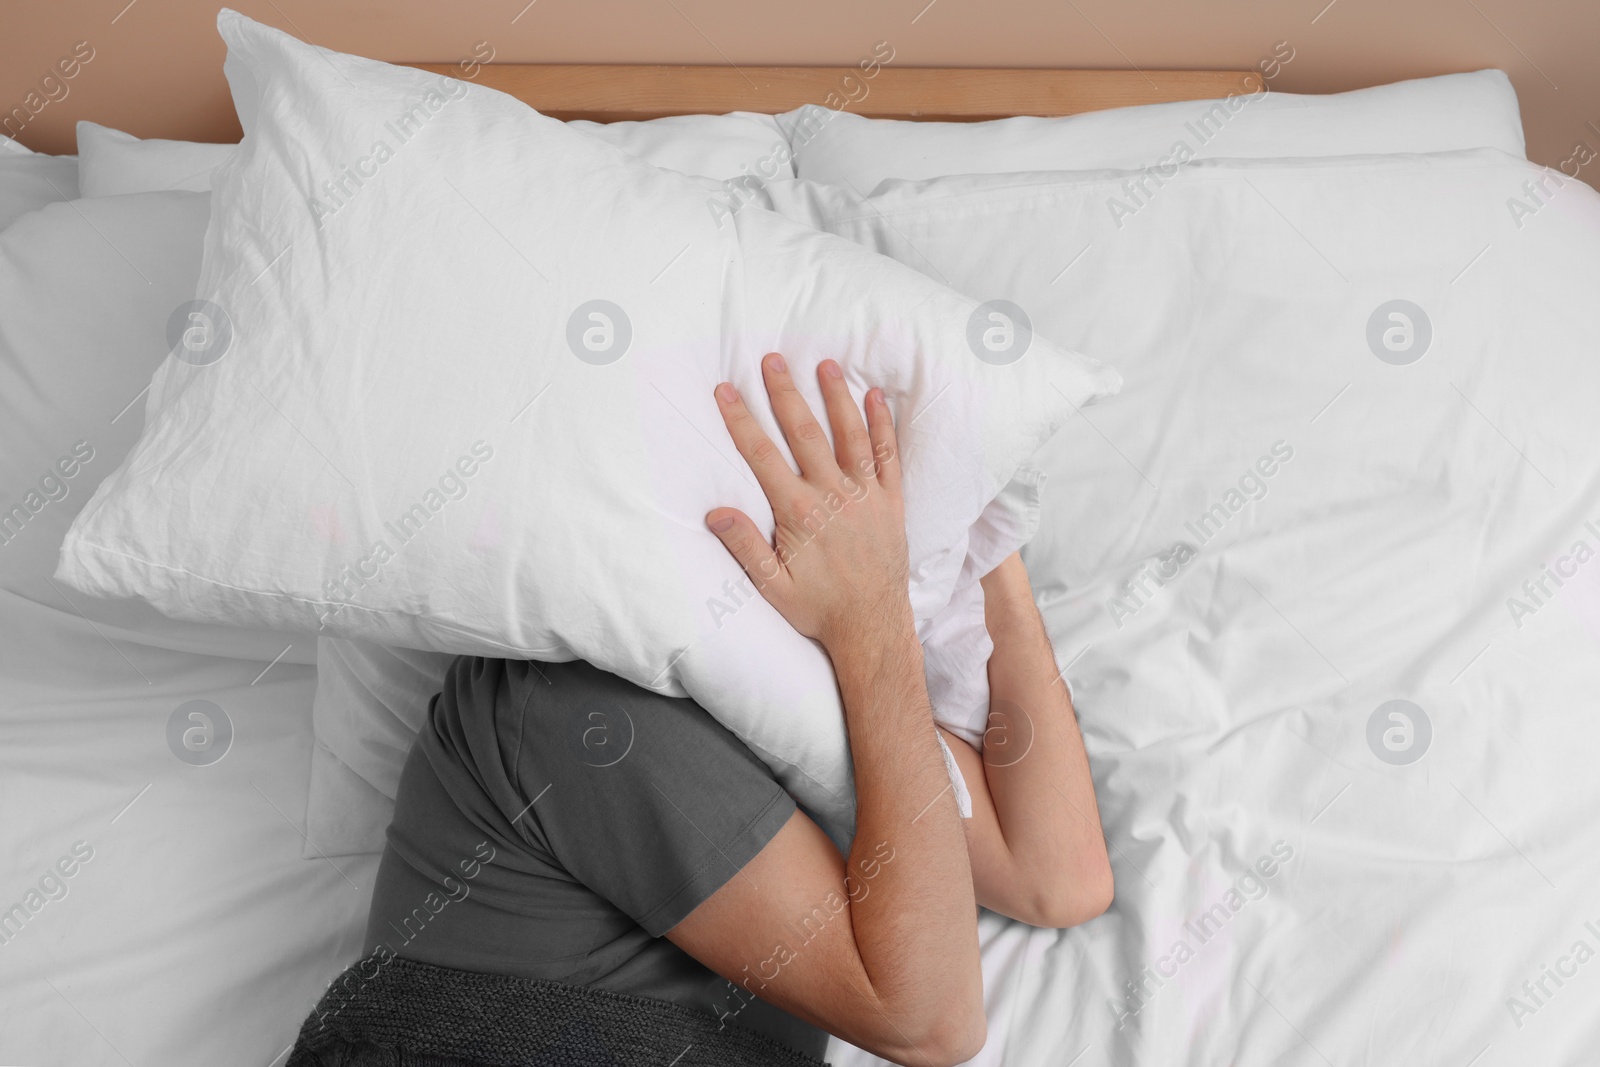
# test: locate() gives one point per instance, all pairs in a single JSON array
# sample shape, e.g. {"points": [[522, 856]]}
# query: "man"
{"points": [[574, 861]]}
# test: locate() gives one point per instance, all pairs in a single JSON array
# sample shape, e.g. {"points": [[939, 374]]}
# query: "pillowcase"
{"points": [[711, 146], [30, 180], [450, 385], [1454, 111], [371, 700], [111, 162], [88, 289]]}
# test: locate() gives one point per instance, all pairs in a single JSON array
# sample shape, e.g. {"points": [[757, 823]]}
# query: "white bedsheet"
{"points": [[196, 935], [1227, 715]]}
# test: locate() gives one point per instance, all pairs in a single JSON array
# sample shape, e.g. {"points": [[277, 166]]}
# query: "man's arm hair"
{"points": [[880, 949]]}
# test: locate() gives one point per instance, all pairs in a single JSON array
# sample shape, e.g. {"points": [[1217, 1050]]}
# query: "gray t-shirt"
{"points": [[553, 820]]}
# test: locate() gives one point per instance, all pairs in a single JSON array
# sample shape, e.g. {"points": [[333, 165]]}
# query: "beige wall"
{"points": [[156, 66]]}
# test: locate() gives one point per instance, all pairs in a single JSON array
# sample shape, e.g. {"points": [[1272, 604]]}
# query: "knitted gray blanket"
{"points": [[386, 1011]]}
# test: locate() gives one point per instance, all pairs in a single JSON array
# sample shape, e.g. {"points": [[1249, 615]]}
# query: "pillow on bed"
{"points": [[371, 700], [87, 290], [450, 388], [111, 162], [711, 146], [30, 180], [1454, 111]]}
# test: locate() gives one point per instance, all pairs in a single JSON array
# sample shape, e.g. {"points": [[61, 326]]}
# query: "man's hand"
{"points": [[837, 566]]}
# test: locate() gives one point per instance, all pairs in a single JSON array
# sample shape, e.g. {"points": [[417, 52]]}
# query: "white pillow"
{"points": [[371, 700], [111, 162], [376, 452], [711, 146], [1477, 110], [87, 290], [30, 180], [82, 332]]}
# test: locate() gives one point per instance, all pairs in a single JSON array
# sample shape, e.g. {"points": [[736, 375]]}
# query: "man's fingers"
{"points": [[772, 471], [743, 540], [801, 429], [885, 447], [852, 446]]}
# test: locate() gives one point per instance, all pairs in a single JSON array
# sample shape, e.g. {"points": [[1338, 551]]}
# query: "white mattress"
{"points": [[196, 934]]}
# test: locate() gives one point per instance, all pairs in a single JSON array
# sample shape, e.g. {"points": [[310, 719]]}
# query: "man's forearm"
{"points": [[914, 912], [1034, 759]]}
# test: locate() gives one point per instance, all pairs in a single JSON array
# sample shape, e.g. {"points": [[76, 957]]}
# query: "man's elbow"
{"points": [[1075, 899], [962, 1040], [924, 1026], [947, 1037]]}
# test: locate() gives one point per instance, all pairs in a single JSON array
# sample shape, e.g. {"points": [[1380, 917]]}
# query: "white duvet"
{"points": [[1300, 510]]}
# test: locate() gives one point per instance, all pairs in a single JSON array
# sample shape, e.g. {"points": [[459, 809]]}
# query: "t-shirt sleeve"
{"points": [[645, 799]]}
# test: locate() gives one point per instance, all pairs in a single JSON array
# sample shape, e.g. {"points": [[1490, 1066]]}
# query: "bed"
{"points": [[1341, 907]]}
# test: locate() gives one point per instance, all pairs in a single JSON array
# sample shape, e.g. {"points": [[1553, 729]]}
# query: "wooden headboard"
{"points": [[607, 93]]}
